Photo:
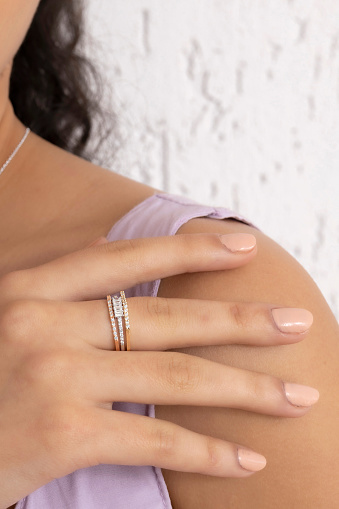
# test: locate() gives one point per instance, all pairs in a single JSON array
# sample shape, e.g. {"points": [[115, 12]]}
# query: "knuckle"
{"points": [[262, 386], [188, 241], [104, 247], [62, 428], [21, 319], [202, 242], [204, 317], [188, 246], [200, 247], [163, 442], [214, 456], [124, 247], [133, 254], [197, 241], [238, 314], [159, 310], [53, 368], [182, 374]]}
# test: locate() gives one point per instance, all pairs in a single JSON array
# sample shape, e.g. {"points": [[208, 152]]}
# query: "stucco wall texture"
{"points": [[232, 103]]}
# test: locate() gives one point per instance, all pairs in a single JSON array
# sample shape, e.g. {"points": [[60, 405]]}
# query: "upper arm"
{"points": [[302, 469]]}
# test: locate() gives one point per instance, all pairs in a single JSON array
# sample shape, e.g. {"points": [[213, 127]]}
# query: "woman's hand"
{"points": [[59, 374]]}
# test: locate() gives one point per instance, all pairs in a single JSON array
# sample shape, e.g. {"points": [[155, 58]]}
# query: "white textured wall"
{"points": [[233, 103]]}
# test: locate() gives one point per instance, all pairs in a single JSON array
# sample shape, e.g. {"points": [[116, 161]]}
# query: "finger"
{"points": [[122, 438], [98, 242], [97, 271], [162, 324], [173, 378]]}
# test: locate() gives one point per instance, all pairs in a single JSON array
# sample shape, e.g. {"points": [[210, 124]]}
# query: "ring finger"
{"points": [[179, 379]]}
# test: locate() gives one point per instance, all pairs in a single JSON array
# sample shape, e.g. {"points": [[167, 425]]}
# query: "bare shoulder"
{"points": [[299, 451], [109, 194], [75, 202], [93, 192]]}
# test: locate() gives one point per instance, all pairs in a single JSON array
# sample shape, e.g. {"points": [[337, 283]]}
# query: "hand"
{"points": [[59, 374]]}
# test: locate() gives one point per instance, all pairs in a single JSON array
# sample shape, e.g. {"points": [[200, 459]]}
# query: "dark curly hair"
{"points": [[54, 89]]}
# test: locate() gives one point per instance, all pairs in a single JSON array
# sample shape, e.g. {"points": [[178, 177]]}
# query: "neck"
{"points": [[11, 132]]}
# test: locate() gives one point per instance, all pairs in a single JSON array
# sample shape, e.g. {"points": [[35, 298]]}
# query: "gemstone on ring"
{"points": [[119, 313]]}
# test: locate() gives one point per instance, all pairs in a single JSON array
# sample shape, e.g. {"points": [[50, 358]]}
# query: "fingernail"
{"points": [[292, 319], [239, 242], [301, 395], [251, 460]]}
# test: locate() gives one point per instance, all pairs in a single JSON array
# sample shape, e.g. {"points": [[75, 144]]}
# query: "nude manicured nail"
{"points": [[239, 242], [301, 395], [251, 460], [292, 319]]}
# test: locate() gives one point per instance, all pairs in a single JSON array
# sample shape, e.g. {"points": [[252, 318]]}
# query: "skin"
{"points": [[40, 189], [301, 471]]}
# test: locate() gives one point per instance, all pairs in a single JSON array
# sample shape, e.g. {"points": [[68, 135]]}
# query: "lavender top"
{"points": [[121, 486]]}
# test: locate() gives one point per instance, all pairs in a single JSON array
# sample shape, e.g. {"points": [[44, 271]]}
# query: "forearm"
{"points": [[301, 469]]}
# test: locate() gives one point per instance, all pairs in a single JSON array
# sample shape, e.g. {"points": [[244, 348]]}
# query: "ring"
{"points": [[118, 309], [124, 303], [118, 314], [114, 328]]}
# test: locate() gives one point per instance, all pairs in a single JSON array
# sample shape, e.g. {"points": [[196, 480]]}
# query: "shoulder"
{"points": [[110, 191], [297, 450], [273, 276], [94, 192], [269, 277]]}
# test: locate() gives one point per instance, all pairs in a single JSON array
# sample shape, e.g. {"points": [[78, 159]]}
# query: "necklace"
{"points": [[15, 150]]}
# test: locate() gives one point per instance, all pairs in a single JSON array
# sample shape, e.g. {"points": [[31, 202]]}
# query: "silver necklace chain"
{"points": [[13, 154]]}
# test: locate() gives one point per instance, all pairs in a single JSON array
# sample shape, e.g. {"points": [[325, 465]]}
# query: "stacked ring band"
{"points": [[124, 303], [118, 309], [114, 327], [119, 313]]}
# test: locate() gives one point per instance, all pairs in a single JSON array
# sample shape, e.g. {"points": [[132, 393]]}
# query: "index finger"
{"points": [[99, 270]]}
